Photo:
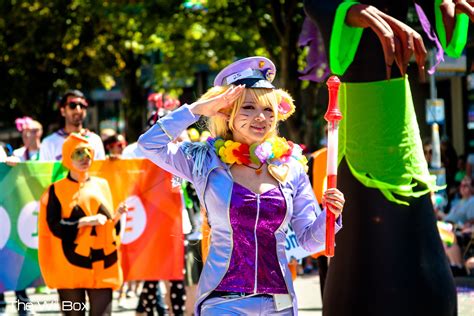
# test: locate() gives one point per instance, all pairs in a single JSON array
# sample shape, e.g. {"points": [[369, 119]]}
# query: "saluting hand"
{"points": [[218, 104]]}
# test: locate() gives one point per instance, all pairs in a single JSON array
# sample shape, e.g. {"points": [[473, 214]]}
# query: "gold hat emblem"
{"points": [[261, 64]]}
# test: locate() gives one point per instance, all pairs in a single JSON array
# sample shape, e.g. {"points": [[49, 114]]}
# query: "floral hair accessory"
{"points": [[286, 107], [23, 122]]}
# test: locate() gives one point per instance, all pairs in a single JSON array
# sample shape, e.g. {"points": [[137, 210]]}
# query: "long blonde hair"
{"points": [[221, 127]]}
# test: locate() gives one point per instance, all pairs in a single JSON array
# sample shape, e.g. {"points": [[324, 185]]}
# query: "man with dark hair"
{"points": [[73, 106]]}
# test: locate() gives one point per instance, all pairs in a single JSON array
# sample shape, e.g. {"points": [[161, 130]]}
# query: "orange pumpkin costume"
{"points": [[72, 257]]}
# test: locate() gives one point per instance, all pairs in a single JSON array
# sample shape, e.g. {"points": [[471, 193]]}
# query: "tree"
{"points": [[142, 45], [49, 47], [227, 30]]}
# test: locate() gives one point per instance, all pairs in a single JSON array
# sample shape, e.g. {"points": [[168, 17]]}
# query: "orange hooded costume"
{"points": [[72, 257]]}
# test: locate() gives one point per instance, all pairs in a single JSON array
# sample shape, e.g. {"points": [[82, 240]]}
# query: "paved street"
{"points": [[307, 289]]}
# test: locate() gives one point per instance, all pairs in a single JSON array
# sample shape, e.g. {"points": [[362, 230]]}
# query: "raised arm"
{"points": [[157, 145]]}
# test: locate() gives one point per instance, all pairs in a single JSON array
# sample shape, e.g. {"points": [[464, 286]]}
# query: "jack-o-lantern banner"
{"points": [[152, 241]]}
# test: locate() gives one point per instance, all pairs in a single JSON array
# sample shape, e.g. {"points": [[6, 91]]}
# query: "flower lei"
{"points": [[271, 150]]}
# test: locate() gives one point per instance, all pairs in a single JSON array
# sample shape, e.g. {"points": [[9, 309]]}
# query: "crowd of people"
{"points": [[455, 205], [251, 192]]}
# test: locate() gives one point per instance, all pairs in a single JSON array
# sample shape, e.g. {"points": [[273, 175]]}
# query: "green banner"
{"points": [[20, 189]]}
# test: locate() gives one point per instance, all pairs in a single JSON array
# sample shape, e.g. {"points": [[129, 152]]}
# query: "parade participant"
{"points": [[79, 234], [252, 183], [390, 233], [73, 107]]}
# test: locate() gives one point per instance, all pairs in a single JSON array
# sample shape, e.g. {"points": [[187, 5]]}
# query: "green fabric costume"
{"points": [[344, 40], [380, 139], [459, 38], [379, 135]]}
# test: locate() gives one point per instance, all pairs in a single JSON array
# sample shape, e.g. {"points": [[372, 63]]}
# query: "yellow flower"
{"points": [[230, 157], [226, 152], [280, 146], [221, 153]]}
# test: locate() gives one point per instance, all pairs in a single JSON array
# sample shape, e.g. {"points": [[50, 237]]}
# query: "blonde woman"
{"points": [[252, 183]]}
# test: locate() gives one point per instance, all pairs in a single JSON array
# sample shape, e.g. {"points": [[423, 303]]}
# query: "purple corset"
{"points": [[254, 266]]}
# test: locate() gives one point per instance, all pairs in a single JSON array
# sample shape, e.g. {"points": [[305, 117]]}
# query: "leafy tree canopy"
{"points": [[49, 46]]}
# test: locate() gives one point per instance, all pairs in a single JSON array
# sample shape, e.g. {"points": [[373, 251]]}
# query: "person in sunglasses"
{"points": [[73, 107]]}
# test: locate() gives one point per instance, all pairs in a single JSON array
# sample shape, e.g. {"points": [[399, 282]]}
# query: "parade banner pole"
{"points": [[332, 116]]}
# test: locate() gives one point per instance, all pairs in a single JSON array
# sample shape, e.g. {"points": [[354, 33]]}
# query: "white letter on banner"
{"points": [[5, 227], [292, 247], [135, 222], [27, 225]]}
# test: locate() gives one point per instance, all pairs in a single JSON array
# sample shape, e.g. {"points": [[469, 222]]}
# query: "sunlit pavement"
{"points": [[307, 290]]}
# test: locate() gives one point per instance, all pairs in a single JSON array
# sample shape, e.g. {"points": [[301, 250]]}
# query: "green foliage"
{"points": [[202, 40], [49, 46]]}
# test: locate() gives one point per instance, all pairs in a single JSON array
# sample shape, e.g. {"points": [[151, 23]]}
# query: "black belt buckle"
{"points": [[228, 295]]}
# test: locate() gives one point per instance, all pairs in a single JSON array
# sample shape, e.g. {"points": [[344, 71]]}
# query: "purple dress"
{"points": [[254, 219]]}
